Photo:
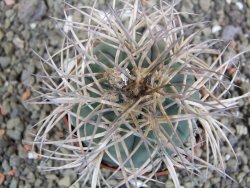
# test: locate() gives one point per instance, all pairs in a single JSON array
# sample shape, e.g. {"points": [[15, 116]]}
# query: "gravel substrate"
{"points": [[25, 25]]}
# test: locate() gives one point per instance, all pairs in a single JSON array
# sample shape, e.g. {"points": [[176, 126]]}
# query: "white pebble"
{"points": [[227, 157], [19, 43], [229, 1], [241, 130], [216, 28], [240, 5], [33, 25], [32, 155]]}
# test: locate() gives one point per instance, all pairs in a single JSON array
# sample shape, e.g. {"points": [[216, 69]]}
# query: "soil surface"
{"points": [[27, 26]]}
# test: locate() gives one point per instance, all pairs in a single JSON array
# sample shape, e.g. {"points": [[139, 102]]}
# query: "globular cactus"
{"points": [[137, 96]]}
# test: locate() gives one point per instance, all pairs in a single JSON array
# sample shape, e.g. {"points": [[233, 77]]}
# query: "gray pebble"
{"points": [[207, 31], [31, 11], [14, 160], [13, 183], [3, 143], [9, 35], [65, 181], [215, 180], [169, 183], [7, 23], [229, 32], [51, 177], [26, 77], [207, 185], [205, 5], [21, 152], [8, 48], [246, 168], [243, 157], [241, 176], [5, 62], [25, 34], [26, 171], [38, 182], [9, 13], [6, 166], [113, 182], [13, 123], [19, 43], [55, 39], [189, 185], [31, 177], [14, 134], [77, 185]]}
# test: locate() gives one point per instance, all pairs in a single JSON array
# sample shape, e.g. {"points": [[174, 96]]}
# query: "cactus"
{"points": [[137, 95]]}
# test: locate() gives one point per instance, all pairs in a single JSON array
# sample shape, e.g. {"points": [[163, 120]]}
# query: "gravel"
{"points": [[31, 11], [25, 25], [4, 62], [12, 123], [205, 5], [64, 182], [19, 43], [229, 32]]}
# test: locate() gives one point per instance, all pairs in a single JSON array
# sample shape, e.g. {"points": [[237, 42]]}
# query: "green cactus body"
{"points": [[104, 54]]}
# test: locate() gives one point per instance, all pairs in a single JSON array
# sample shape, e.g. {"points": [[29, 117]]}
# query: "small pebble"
{"points": [[14, 183], [9, 35], [241, 130], [31, 11], [215, 180], [14, 134], [32, 155], [65, 181], [241, 176], [227, 157], [14, 122], [229, 32], [5, 62], [216, 28], [9, 13], [38, 182], [26, 77], [6, 166], [205, 5], [8, 48], [21, 152], [239, 5], [19, 43], [31, 177], [14, 160], [207, 31]]}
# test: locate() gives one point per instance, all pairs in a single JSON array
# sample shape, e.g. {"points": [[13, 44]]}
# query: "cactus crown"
{"points": [[131, 89]]}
